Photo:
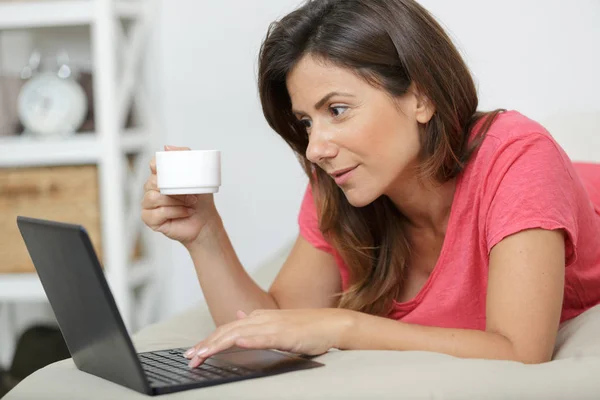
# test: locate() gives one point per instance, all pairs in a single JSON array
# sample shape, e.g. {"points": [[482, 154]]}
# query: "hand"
{"points": [[180, 218], [310, 332]]}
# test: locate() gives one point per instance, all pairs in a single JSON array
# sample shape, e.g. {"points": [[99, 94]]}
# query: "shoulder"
{"points": [[512, 125], [514, 136]]}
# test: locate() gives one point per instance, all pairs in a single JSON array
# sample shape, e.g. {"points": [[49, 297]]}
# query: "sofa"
{"points": [[574, 372]]}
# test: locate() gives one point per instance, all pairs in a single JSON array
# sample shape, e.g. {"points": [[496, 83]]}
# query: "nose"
{"points": [[320, 146]]}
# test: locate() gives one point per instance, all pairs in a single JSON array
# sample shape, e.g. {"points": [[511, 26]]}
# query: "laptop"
{"points": [[96, 336]]}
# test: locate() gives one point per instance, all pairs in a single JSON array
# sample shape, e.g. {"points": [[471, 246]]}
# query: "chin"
{"points": [[360, 197]]}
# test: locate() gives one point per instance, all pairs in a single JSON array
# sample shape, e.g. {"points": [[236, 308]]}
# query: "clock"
{"points": [[52, 104]]}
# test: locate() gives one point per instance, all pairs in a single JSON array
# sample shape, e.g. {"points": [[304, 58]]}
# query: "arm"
{"points": [[228, 288], [524, 300]]}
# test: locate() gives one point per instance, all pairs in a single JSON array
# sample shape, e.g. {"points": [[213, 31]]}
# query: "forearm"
{"points": [[226, 286], [366, 332]]}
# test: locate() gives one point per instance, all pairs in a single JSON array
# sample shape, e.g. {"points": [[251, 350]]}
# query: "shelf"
{"points": [[21, 287], [129, 9], [81, 148], [119, 79], [27, 287], [38, 14]]}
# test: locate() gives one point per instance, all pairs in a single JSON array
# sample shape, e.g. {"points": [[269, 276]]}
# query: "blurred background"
{"points": [[90, 89]]}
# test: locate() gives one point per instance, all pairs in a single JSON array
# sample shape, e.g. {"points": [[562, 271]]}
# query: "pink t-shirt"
{"points": [[520, 178]]}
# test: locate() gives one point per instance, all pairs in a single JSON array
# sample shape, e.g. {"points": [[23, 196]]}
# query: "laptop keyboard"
{"points": [[170, 367]]}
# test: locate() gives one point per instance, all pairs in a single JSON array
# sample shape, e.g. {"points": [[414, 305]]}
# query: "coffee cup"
{"points": [[188, 171]]}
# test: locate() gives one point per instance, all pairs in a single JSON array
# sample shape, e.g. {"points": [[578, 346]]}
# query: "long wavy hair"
{"points": [[390, 44]]}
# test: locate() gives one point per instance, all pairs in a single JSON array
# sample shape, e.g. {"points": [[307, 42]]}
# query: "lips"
{"points": [[343, 175], [341, 172]]}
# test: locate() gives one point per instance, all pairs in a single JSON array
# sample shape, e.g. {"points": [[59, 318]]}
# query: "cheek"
{"points": [[386, 145], [391, 142], [393, 154], [368, 137]]}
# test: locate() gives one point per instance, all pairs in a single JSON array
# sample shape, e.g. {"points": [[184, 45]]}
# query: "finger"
{"points": [[265, 313], [153, 165], [151, 183], [223, 329], [176, 148], [240, 314], [219, 333], [270, 331], [229, 340], [187, 199], [257, 342], [156, 218], [153, 199], [193, 351]]}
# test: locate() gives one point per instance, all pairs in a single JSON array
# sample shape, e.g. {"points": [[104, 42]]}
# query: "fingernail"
{"points": [[189, 353], [191, 364], [168, 147], [202, 351]]}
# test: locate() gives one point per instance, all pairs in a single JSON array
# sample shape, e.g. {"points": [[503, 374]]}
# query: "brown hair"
{"points": [[390, 44]]}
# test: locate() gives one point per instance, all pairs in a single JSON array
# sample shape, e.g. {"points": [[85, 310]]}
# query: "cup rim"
{"points": [[188, 151]]}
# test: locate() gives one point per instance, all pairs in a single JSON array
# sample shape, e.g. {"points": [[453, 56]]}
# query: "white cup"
{"points": [[188, 171]]}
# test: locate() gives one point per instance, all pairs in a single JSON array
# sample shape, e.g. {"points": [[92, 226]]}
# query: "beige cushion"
{"points": [[574, 373]]}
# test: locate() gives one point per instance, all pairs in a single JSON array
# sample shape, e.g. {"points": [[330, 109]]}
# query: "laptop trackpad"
{"points": [[259, 360]]}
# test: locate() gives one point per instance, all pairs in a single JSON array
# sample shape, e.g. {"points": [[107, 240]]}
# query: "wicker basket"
{"points": [[65, 194]]}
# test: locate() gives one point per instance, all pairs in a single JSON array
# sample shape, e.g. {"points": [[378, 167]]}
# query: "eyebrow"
{"points": [[324, 100]]}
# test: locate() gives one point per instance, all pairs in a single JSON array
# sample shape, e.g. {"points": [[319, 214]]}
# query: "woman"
{"points": [[426, 225]]}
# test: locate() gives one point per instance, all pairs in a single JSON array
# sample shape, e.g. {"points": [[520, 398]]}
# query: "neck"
{"points": [[426, 205]]}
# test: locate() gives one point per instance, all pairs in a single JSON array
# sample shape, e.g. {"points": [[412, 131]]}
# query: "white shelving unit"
{"points": [[116, 63], [83, 148], [27, 287], [38, 14]]}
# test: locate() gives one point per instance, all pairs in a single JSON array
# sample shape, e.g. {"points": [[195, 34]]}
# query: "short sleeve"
{"points": [[529, 185], [309, 223]]}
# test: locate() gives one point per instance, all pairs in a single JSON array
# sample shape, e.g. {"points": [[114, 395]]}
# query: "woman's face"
{"points": [[353, 125]]}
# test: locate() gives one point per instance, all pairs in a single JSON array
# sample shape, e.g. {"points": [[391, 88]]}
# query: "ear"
{"points": [[424, 109]]}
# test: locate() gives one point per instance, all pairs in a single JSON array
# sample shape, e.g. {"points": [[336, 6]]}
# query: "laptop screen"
{"points": [[84, 307]]}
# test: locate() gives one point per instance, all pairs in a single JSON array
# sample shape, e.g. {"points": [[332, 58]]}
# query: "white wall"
{"points": [[209, 56], [538, 57]]}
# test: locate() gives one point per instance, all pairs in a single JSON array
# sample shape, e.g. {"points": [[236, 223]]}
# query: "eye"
{"points": [[306, 123], [337, 110]]}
